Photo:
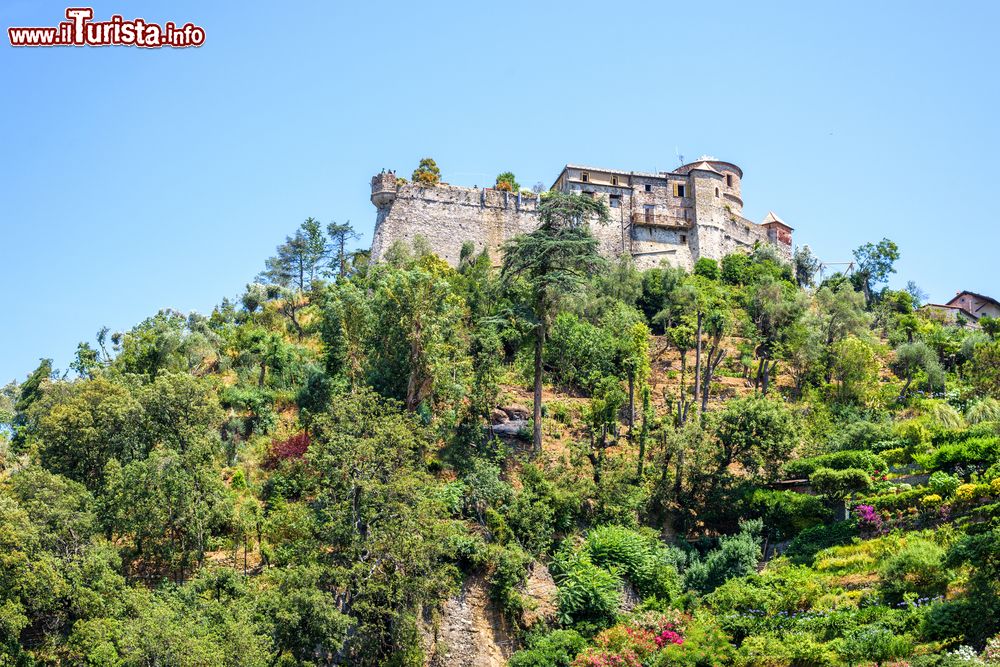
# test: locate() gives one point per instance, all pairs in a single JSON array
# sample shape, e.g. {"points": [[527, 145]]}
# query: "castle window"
{"points": [[679, 189], [684, 238], [648, 211], [585, 177], [716, 192], [614, 201], [729, 180], [614, 180], [649, 188]]}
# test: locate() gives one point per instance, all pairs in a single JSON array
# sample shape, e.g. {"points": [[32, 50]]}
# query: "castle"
{"points": [[675, 217]]}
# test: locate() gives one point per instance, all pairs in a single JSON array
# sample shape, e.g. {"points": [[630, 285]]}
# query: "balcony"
{"points": [[647, 219]]}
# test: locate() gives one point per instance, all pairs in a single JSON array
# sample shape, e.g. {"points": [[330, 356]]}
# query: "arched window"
{"points": [[716, 192]]}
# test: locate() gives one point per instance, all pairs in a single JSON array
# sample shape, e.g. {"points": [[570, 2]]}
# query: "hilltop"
{"points": [[545, 458]]}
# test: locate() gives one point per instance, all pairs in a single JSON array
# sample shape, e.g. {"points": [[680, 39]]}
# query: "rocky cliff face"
{"points": [[469, 631]]}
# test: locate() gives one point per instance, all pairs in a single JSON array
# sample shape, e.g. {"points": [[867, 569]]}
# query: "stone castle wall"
{"points": [[447, 216]]}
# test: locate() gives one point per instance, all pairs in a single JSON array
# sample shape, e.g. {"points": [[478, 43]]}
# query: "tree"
{"points": [[631, 337], [707, 267], [840, 311], [339, 236], [682, 338], [299, 259], [602, 421], [775, 309], [81, 426], [980, 611], [420, 319], [381, 527], [838, 484], [167, 505], [507, 181], [806, 266], [757, 432], [875, 261], [427, 172], [985, 369], [854, 369], [912, 358], [554, 260]]}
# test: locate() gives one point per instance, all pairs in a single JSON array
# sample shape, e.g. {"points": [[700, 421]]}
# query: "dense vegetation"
{"points": [[305, 474]]}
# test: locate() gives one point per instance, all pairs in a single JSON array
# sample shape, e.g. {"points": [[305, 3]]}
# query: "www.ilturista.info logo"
{"points": [[80, 30]]}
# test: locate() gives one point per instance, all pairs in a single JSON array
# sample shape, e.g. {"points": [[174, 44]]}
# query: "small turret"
{"points": [[384, 189]]}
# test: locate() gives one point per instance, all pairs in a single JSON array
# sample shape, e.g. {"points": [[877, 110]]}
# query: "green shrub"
{"points": [[792, 648], [509, 570], [863, 460], [642, 559], [811, 541], [895, 501], [874, 643], [973, 451], [737, 556], [587, 593], [840, 483], [943, 484], [861, 434], [578, 352], [916, 569], [787, 513], [704, 644], [556, 649]]}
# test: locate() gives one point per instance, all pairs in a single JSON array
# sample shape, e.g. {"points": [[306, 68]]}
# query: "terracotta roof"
{"points": [[982, 297], [705, 166], [772, 218]]}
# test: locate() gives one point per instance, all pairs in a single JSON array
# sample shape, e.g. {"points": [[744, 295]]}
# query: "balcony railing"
{"points": [[647, 219]]}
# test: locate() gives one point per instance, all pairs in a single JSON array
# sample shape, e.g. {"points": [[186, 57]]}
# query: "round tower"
{"points": [[383, 189], [728, 177]]}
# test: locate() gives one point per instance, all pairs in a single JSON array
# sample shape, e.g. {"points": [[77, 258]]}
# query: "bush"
{"points": [[840, 483], [787, 513], [862, 460], [737, 556], [811, 541], [967, 493], [971, 452], [707, 268], [915, 569], [586, 592], [556, 649], [943, 484], [874, 643], [579, 352], [793, 648], [644, 561]]}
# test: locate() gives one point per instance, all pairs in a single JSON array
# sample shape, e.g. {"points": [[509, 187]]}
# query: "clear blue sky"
{"points": [[133, 180]]}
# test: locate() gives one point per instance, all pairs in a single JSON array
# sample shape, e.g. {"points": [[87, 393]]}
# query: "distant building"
{"points": [[674, 217], [966, 306]]}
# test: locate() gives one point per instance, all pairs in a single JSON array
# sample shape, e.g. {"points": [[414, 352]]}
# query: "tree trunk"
{"points": [[710, 370], [643, 433], [697, 360], [631, 405], [537, 412]]}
